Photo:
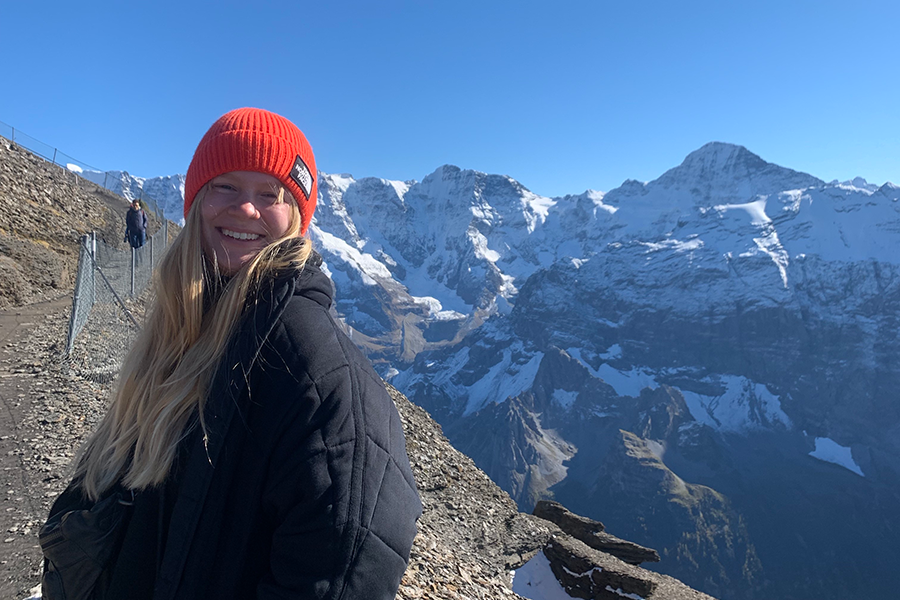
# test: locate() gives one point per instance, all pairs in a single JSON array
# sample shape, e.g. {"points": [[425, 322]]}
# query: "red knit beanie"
{"points": [[252, 139]]}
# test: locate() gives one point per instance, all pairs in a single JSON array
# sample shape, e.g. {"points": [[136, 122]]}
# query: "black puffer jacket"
{"points": [[303, 489]]}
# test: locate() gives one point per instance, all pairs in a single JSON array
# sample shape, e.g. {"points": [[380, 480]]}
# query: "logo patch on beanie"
{"points": [[302, 177]]}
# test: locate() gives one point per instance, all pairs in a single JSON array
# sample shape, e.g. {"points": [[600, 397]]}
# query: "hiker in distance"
{"points": [[250, 451], [136, 225]]}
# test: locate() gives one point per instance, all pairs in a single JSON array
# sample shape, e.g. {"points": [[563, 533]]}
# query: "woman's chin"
{"points": [[231, 254]]}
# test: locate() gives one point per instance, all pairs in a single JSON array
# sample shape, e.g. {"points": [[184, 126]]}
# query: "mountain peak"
{"points": [[731, 172], [719, 157]]}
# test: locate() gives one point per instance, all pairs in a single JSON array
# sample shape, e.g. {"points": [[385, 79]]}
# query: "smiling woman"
{"points": [[242, 212], [259, 452]]}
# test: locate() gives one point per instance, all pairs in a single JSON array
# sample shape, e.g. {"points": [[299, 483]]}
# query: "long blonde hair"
{"points": [[165, 376]]}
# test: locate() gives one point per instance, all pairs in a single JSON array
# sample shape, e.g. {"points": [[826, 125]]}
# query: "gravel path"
{"points": [[45, 411]]}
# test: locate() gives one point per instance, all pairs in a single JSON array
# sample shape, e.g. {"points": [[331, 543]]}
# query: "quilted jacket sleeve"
{"points": [[340, 488]]}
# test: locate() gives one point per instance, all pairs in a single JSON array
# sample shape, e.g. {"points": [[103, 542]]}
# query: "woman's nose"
{"points": [[243, 205]]}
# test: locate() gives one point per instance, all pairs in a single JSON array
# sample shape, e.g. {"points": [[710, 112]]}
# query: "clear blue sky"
{"points": [[561, 96]]}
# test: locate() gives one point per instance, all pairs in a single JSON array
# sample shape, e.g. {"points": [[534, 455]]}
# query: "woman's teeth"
{"points": [[240, 236]]}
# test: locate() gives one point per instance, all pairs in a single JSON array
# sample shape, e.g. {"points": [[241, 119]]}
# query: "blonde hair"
{"points": [[165, 376]]}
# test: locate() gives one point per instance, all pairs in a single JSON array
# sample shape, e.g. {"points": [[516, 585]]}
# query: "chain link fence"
{"points": [[108, 283]]}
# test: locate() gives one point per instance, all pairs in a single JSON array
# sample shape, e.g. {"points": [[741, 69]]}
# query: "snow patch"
{"points": [[744, 406], [756, 210], [365, 264], [74, 168], [676, 245], [658, 450], [830, 451], [771, 246], [626, 383], [447, 315], [534, 580], [619, 592], [564, 398], [340, 181], [35, 593], [540, 207], [504, 380], [480, 246], [597, 198], [433, 304], [400, 187], [436, 310]]}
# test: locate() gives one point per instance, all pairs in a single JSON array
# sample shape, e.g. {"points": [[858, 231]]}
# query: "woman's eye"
{"points": [[225, 187]]}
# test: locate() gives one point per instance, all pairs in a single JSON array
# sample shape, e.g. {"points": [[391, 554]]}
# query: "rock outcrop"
{"points": [[592, 533], [585, 572]]}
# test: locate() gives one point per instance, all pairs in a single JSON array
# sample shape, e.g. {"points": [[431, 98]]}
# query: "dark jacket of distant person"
{"points": [[136, 226], [136, 220]]}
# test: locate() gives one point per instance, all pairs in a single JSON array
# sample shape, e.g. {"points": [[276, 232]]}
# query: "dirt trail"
{"points": [[22, 496]]}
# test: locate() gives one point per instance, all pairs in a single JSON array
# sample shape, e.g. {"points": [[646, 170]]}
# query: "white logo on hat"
{"points": [[302, 177]]}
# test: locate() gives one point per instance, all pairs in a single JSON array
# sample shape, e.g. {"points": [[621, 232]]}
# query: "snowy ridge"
{"points": [[470, 240]]}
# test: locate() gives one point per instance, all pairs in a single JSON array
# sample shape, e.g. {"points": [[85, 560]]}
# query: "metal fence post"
{"points": [[93, 248], [54, 156], [76, 306]]}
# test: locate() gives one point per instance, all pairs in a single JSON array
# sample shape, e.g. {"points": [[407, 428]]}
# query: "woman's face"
{"points": [[240, 215]]}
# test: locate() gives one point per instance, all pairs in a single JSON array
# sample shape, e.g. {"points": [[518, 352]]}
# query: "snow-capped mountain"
{"points": [[707, 359], [728, 310]]}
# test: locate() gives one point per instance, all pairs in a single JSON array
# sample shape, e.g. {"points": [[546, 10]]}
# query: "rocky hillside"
{"points": [[44, 211], [471, 536]]}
